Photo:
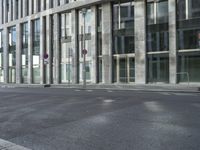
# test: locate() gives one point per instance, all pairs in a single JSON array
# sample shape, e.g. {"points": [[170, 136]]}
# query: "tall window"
{"points": [[123, 42], [188, 18], [24, 53], [36, 51], [1, 57], [99, 43], [188, 39], [66, 45], [86, 28], [12, 54], [157, 41], [123, 28]]}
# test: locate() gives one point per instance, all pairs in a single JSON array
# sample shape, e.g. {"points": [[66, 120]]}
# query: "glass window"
{"points": [[99, 42], [24, 53], [157, 26], [158, 68], [1, 58], [36, 51], [123, 28], [12, 54], [189, 67], [188, 29]]}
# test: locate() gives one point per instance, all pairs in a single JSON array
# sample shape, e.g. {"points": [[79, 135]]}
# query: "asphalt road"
{"points": [[69, 119]]}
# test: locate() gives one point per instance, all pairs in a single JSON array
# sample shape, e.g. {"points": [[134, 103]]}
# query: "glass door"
{"points": [[125, 69]]}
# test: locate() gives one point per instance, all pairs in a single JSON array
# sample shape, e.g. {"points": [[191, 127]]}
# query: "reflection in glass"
{"points": [[1, 58], [24, 53], [123, 28], [158, 68], [12, 55], [189, 63], [36, 51], [157, 26]]}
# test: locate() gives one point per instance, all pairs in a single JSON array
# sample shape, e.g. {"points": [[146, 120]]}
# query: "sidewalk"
{"points": [[136, 87], [5, 145]]}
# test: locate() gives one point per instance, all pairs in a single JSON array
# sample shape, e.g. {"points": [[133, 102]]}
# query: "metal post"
{"points": [[84, 11]]}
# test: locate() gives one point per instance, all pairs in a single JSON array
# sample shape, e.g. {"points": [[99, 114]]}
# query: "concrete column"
{"points": [[57, 47], [30, 52], [15, 7], [20, 8], [49, 49], [172, 42], [140, 42], [24, 8], [55, 3], [1, 12], [74, 44], [62, 2], [107, 43], [5, 55], [5, 9], [42, 47], [94, 45], [30, 7], [10, 10], [42, 5], [35, 6], [18, 54]]}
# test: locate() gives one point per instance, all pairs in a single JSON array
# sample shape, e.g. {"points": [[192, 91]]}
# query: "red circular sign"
{"points": [[84, 51]]}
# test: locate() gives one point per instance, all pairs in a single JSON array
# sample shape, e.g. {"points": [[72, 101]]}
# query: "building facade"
{"points": [[127, 41]]}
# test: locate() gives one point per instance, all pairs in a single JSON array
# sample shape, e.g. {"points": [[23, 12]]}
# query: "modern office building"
{"points": [[127, 41]]}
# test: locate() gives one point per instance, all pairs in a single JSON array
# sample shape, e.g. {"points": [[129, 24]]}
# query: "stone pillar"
{"points": [[35, 6], [172, 42], [55, 3], [30, 7], [30, 52], [49, 49], [10, 11], [42, 47], [5, 11], [140, 42], [5, 55], [62, 2], [107, 43], [74, 43], [94, 45], [57, 47], [18, 54], [24, 8], [15, 7], [20, 9], [42, 5], [1, 14]]}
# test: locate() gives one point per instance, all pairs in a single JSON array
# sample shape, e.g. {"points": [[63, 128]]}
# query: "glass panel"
{"points": [[123, 28], [189, 64], [157, 26], [36, 51], [131, 69], [12, 55], [114, 71], [123, 70], [24, 57], [158, 68], [86, 26], [1, 58]]}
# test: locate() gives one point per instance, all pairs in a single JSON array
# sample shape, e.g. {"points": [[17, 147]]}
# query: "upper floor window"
{"points": [[188, 9], [157, 12]]}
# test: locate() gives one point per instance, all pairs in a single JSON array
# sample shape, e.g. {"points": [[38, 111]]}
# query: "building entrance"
{"points": [[125, 69]]}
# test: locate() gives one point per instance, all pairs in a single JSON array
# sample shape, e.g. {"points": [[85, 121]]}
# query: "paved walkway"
{"points": [[5, 145]]}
